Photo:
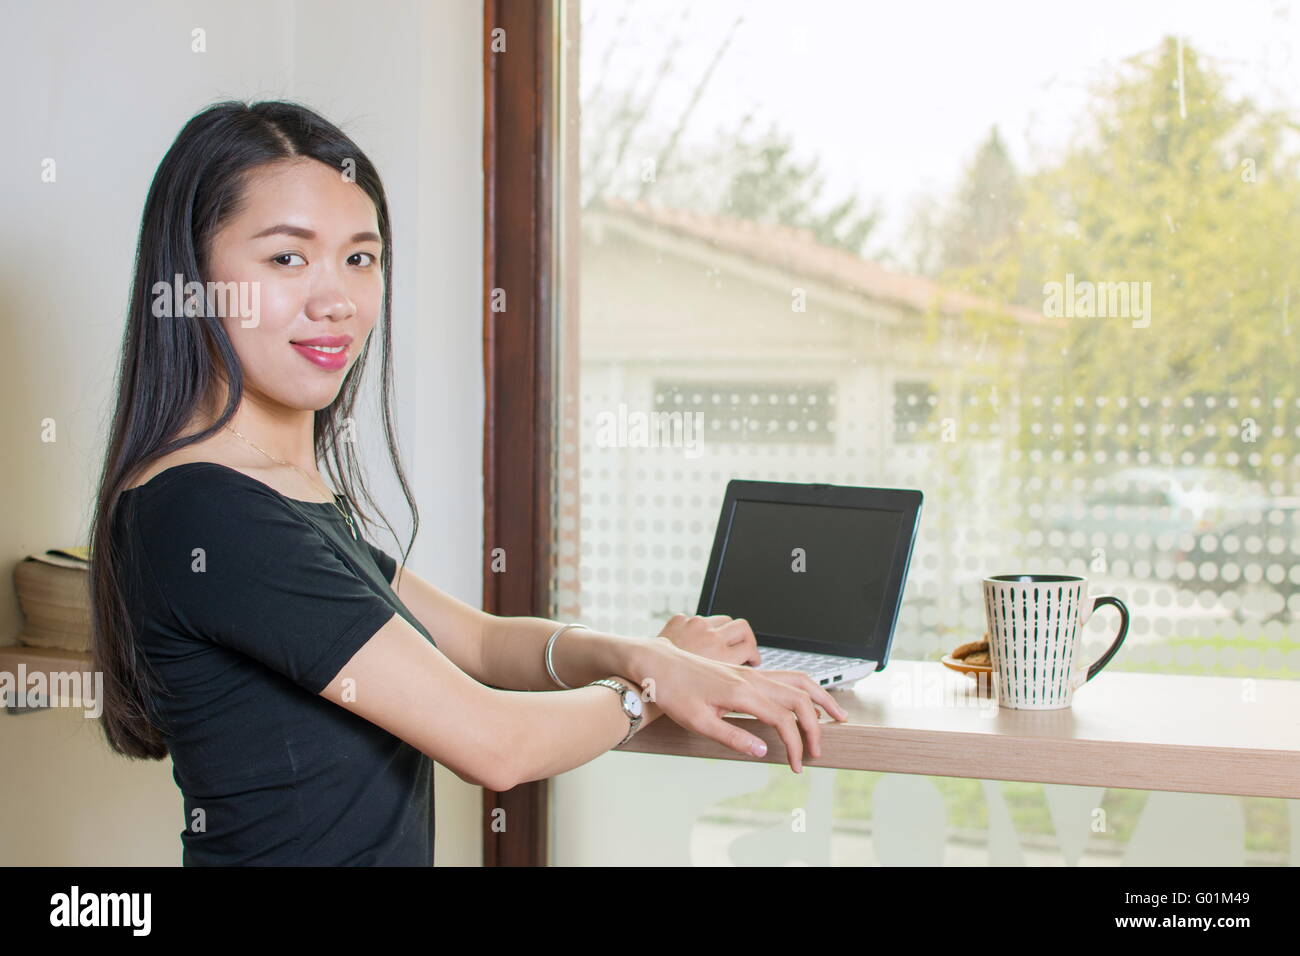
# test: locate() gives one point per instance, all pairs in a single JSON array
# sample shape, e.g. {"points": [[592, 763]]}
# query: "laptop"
{"points": [[817, 570]]}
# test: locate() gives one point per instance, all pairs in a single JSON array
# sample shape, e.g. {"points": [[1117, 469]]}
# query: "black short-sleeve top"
{"points": [[245, 604]]}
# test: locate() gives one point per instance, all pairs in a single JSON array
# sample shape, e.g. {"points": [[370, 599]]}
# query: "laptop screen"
{"points": [[810, 572]]}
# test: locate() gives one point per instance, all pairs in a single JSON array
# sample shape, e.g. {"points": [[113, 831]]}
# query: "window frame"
{"points": [[519, 109]]}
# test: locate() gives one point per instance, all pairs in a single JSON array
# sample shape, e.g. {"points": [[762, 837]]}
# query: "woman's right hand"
{"points": [[695, 692]]}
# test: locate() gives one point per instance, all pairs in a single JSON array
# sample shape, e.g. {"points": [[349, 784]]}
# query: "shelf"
{"points": [[45, 660]]}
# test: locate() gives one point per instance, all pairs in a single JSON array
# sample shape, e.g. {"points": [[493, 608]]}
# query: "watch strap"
{"points": [[620, 688]]}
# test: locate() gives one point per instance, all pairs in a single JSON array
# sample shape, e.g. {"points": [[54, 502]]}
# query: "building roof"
{"points": [[799, 252]]}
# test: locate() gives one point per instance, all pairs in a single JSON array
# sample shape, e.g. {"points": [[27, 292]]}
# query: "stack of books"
{"points": [[54, 594]]}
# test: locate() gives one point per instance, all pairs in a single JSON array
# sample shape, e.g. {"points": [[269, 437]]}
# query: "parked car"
{"points": [[1155, 510], [1239, 555]]}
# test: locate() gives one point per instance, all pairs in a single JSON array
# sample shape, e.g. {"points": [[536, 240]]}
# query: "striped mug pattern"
{"points": [[1035, 623]]}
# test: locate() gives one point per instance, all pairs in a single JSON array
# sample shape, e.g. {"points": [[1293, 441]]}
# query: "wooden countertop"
{"points": [[1226, 735], [1229, 735]]}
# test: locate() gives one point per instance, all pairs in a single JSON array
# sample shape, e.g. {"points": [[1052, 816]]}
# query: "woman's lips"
{"points": [[332, 360]]}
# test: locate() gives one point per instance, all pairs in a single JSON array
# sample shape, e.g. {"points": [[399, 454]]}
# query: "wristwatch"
{"points": [[631, 701]]}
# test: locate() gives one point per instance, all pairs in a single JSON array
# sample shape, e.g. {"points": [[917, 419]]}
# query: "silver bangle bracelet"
{"points": [[550, 645]]}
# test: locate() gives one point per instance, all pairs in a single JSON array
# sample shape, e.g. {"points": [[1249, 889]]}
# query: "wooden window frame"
{"points": [[520, 101]]}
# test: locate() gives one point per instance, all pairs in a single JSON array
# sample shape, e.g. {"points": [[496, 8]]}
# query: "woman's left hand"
{"points": [[719, 638]]}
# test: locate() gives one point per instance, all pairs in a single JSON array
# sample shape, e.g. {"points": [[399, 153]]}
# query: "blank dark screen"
{"points": [[837, 597]]}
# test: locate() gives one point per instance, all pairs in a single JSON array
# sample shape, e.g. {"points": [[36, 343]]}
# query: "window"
{"points": [[1049, 284]]}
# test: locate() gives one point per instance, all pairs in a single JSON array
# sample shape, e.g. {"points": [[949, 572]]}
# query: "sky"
{"points": [[895, 97]]}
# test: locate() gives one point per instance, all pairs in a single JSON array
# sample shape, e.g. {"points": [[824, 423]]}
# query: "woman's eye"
{"points": [[287, 255], [369, 257]]}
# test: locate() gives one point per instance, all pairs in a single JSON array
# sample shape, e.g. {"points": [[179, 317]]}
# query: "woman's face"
{"points": [[307, 241]]}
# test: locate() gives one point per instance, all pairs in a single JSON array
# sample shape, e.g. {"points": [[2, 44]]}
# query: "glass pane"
{"points": [[1050, 284]]}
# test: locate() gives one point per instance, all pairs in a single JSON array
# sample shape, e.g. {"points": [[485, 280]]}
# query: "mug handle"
{"points": [[1110, 652]]}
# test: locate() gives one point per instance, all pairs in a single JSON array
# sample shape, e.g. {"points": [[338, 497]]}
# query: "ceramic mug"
{"points": [[1035, 622]]}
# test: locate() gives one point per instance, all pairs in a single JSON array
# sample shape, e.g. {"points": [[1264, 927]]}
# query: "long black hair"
{"points": [[169, 367]]}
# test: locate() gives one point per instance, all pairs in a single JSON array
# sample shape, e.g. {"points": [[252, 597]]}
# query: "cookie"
{"points": [[961, 652]]}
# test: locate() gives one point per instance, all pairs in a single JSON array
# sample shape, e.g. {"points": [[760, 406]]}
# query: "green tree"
{"points": [[984, 224], [752, 177], [768, 184], [1173, 184], [1191, 191]]}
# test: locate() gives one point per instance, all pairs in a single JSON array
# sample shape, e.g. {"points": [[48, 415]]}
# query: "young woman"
{"points": [[245, 624]]}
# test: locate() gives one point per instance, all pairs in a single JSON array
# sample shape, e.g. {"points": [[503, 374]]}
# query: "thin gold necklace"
{"points": [[333, 497]]}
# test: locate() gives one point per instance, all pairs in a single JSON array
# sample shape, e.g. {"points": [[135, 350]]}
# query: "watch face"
{"points": [[632, 702]]}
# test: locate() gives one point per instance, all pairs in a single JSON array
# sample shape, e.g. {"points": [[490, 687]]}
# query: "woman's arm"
{"points": [[456, 627], [514, 654], [509, 652], [534, 735], [491, 738]]}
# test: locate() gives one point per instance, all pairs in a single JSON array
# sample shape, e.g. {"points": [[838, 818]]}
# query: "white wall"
{"points": [[103, 89]]}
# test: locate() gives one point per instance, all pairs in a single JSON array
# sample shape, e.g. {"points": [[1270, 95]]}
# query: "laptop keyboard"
{"points": [[775, 659]]}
